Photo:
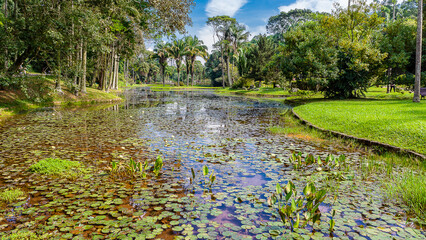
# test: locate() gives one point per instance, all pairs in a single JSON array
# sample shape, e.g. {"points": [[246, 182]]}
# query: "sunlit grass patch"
{"points": [[11, 195], [401, 123]]}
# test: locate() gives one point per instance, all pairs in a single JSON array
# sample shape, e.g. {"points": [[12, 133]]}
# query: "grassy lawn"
{"points": [[380, 93], [400, 123]]}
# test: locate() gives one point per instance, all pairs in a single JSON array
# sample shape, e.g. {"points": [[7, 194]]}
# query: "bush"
{"points": [[243, 82]]}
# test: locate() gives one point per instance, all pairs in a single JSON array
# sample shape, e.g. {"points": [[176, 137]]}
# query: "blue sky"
{"points": [[253, 13]]}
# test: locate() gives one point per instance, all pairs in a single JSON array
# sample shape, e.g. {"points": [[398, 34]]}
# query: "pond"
{"points": [[221, 166]]}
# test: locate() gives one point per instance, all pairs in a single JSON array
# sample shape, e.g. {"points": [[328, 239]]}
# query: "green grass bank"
{"points": [[400, 123], [38, 91]]}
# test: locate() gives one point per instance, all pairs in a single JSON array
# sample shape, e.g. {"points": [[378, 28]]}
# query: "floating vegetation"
{"points": [[56, 166], [25, 235], [12, 195]]}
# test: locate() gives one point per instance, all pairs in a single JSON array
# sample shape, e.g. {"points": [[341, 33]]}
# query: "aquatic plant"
{"points": [[207, 179], [25, 234], [158, 165], [291, 207], [410, 189], [135, 168], [11, 195], [328, 164], [60, 167], [211, 178]]}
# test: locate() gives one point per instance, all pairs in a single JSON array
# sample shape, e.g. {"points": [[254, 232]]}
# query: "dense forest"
{"points": [[96, 43]]}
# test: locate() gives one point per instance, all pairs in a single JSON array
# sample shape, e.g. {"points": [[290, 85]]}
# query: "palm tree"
{"points": [[177, 51], [194, 48], [162, 54], [418, 53], [239, 35]]}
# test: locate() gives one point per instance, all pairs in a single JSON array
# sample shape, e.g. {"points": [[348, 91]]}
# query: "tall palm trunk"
{"points": [[178, 72], [418, 53], [229, 72], [223, 70]]}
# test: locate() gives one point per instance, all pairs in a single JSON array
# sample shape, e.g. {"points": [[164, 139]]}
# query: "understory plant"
{"points": [[295, 210]]}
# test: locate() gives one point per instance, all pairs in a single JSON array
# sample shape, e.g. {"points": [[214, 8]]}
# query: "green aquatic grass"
{"points": [[401, 123], [24, 235], [54, 166], [411, 190], [11, 195]]}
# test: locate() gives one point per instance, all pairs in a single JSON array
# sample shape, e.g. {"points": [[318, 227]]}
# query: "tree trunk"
{"points": [[5, 46], [84, 69], [116, 66], [187, 73], [229, 72], [20, 60], [58, 88], [163, 70], [418, 53], [223, 70], [111, 69], [178, 72], [192, 71]]}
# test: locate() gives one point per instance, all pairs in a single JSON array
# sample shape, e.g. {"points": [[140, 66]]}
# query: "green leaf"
{"points": [[278, 189], [205, 170]]}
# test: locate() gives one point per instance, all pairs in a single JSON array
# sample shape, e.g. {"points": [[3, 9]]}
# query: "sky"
{"points": [[252, 13]]}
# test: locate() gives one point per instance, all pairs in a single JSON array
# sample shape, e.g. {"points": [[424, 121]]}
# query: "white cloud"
{"points": [[317, 5], [320, 6], [257, 30], [206, 35], [224, 7]]}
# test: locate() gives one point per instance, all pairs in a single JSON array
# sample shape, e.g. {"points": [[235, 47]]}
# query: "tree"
{"points": [[418, 52], [258, 56], [238, 36], [78, 38], [285, 21], [309, 56], [177, 51], [398, 41], [359, 56], [161, 52], [214, 68], [221, 25], [194, 48]]}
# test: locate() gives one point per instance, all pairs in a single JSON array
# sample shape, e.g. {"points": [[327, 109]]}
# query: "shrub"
{"points": [[243, 82]]}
